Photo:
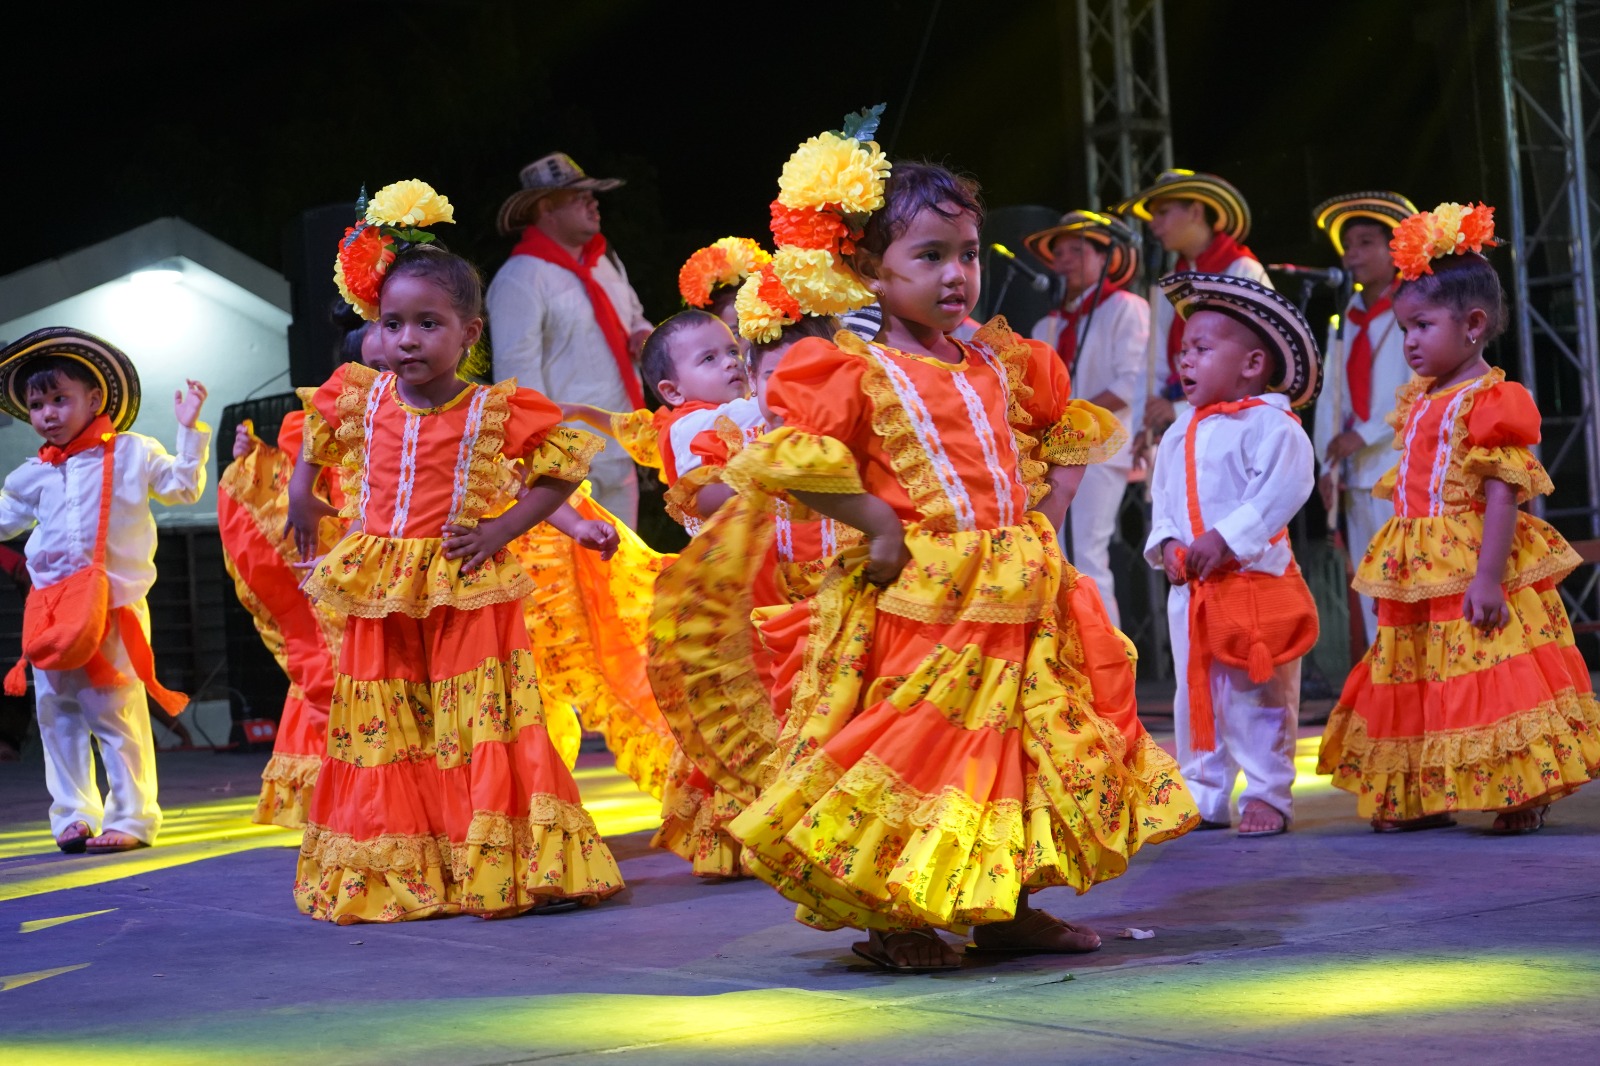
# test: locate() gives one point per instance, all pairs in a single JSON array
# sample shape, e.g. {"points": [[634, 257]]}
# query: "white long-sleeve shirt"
{"points": [[543, 330], [744, 413], [1255, 469], [64, 502], [1110, 356], [1389, 372]]}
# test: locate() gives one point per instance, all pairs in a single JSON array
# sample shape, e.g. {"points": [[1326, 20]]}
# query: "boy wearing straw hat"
{"points": [[1101, 332], [1366, 367], [563, 318], [1204, 220], [81, 394], [1230, 474]]}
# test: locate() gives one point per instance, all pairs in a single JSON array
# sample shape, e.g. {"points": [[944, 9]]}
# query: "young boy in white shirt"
{"points": [[1231, 472], [81, 394]]}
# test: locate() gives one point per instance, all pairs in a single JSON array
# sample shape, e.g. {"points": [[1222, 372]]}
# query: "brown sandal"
{"points": [[1412, 825], [1506, 831], [877, 951], [1025, 935], [75, 838]]}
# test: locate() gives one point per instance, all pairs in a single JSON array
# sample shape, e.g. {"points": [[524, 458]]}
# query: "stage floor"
{"points": [[1329, 945]]}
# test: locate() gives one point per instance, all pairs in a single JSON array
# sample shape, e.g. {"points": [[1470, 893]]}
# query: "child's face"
{"points": [[61, 411], [1436, 344], [706, 366], [1178, 224], [763, 375], [1220, 360], [423, 335], [1080, 262], [372, 347], [929, 274], [1367, 256]]}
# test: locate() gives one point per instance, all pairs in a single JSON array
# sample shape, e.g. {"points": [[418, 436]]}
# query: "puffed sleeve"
{"points": [[636, 432], [532, 431], [1502, 425], [1071, 432], [334, 414], [817, 393]]}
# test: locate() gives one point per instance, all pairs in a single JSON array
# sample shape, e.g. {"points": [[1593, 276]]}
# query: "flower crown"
{"points": [[1449, 229], [386, 225], [828, 189], [721, 264]]}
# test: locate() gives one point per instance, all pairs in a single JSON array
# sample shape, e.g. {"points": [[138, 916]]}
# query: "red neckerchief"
{"points": [[1221, 253], [539, 245], [663, 420], [1358, 367], [93, 435], [1067, 341]]}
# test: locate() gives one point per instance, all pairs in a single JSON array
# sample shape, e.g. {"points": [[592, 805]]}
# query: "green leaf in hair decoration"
{"points": [[863, 124]]}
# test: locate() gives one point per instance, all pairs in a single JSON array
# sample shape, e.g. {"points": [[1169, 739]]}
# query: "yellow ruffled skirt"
{"points": [[1439, 716], [963, 735]]}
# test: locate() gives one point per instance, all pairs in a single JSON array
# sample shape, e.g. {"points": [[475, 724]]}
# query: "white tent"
{"points": [[182, 304]]}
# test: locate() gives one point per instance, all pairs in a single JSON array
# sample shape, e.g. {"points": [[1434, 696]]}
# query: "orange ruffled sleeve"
{"points": [[340, 399], [533, 433], [1071, 432], [636, 432], [817, 393], [1502, 425]]}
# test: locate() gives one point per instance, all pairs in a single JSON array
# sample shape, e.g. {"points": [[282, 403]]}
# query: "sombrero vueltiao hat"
{"points": [[1390, 208], [113, 371], [1233, 214], [556, 172], [1269, 313], [1113, 235]]}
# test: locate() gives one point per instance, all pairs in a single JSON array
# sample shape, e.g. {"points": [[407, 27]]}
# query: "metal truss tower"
{"points": [[1127, 127], [1551, 105]]}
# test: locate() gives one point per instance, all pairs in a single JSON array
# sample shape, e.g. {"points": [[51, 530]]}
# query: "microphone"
{"points": [[1333, 277], [1038, 279]]}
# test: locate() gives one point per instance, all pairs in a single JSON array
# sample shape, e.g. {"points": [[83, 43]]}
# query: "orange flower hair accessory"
{"points": [[721, 264], [387, 225], [765, 306], [1449, 229]]}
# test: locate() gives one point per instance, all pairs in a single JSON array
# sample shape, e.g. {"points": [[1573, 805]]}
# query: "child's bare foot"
{"points": [[1260, 819], [1036, 931], [908, 951], [113, 840], [74, 838], [1512, 823]]}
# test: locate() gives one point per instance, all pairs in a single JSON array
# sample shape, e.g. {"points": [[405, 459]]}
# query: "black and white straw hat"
{"points": [[1269, 313], [1114, 236], [113, 371], [1233, 214], [1390, 208]]}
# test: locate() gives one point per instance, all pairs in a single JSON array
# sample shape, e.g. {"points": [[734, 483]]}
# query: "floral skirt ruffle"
{"points": [[1439, 716], [1415, 559], [694, 823], [587, 620], [965, 734], [290, 775], [442, 791]]}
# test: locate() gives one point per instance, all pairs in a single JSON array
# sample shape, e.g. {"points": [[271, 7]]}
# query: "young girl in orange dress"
{"points": [[1473, 697], [963, 731], [441, 792]]}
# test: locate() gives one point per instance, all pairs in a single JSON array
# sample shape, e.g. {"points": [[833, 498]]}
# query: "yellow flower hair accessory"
{"points": [[828, 189], [764, 307], [1449, 229], [385, 226], [721, 264]]}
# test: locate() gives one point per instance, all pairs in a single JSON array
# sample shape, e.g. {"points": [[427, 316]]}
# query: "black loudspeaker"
{"points": [[1008, 287], [309, 245]]}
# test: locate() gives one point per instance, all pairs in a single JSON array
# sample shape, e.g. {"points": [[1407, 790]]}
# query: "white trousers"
{"points": [[1254, 727], [1364, 515], [614, 483], [71, 711], [1093, 521]]}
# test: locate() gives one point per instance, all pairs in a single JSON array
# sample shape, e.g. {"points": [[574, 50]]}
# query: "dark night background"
{"points": [[238, 117]]}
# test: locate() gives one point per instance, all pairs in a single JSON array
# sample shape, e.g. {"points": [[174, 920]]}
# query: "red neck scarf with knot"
{"points": [[1358, 366], [1222, 252], [1067, 341], [537, 243], [97, 432]]}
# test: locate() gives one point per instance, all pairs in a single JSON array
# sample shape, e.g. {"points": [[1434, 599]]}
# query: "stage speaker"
{"points": [[309, 243], [1008, 286]]}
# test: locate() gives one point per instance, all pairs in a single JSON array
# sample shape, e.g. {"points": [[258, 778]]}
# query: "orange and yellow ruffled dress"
{"points": [[252, 504], [588, 619], [1439, 716], [441, 791], [970, 730]]}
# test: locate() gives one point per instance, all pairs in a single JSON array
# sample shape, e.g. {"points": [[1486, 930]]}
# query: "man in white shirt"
{"points": [[1101, 332], [1366, 367], [563, 318]]}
